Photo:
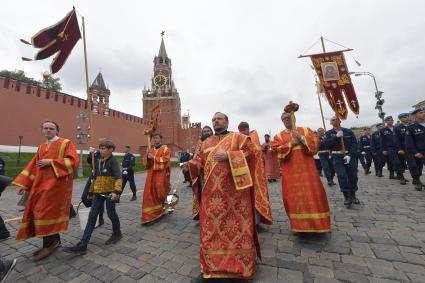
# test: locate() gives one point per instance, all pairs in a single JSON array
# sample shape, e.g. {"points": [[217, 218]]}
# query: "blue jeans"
{"points": [[96, 207], [346, 173], [85, 194]]}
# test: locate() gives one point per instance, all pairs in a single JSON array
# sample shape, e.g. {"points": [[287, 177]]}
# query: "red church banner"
{"points": [[58, 40], [336, 82]]}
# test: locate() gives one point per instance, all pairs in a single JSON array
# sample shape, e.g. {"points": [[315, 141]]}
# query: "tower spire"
{"points": [[162, 52]]}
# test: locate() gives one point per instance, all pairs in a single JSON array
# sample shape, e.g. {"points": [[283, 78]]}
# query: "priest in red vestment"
{"points": [[229, 243], [271, 163], [198, 180], [263, 211], [157, 184], [304, 197], [48, 178]]}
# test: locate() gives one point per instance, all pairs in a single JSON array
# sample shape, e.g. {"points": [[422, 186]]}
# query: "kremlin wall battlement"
{"points": [[24, 106]]}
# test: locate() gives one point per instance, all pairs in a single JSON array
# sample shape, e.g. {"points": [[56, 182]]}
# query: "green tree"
{"points": [[19, 76], [48, 81], [51, 83]]}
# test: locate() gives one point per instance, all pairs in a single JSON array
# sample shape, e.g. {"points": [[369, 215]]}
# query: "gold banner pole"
{"points": [[336, 113]]}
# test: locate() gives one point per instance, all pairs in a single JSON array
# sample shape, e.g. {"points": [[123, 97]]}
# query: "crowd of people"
{"points": [[400, 147], [229, 174]]}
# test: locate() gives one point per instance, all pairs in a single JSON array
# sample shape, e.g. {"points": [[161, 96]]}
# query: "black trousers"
{"points": [[130, 178], [49, 240], [3, 229]]}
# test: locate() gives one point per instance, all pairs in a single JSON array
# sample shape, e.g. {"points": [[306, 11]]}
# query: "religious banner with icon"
{"points": [[335, 82]]}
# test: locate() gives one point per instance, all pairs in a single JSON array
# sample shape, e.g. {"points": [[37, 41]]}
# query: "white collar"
{"points": [[55, 138]]}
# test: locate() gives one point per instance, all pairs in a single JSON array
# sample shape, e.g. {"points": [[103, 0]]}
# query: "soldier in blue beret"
{"points": [[365, 155], [343, 145], [325, 158], [415, 143], [378, 157], [405, 157], [390, 149]]}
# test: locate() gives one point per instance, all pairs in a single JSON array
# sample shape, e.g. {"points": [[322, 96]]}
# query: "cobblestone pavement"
{"points": [[381, 240]]}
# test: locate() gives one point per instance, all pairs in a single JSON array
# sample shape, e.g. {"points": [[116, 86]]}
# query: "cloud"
{"points": [[239, 57]]}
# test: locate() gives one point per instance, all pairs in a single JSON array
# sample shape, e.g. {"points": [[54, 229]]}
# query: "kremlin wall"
{"points": [[23, 107]]}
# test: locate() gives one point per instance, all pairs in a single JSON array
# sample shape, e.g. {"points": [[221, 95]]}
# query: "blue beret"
{"points": [[388, 118], [379, 124], [401, 115], [418, 110]]}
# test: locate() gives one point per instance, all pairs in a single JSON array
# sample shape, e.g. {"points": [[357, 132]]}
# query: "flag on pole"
{"points": [[58, 40], [335, 82]]}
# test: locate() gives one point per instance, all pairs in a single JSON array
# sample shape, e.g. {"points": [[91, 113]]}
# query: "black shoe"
{"points": [[355, 199], [417, 183], [403, 181], [392, 177], [133, 198], [78, 249], [199, 279], [114, 239], [380, 174], [8, 267], [348, 200], [101, 222], [72, 212], [4, 234], [330, 182]]}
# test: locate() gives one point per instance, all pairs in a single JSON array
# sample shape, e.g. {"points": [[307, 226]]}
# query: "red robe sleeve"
{"points": [[310, 141], [282, 144], [27, 176], [160, 160], [67, 161]]}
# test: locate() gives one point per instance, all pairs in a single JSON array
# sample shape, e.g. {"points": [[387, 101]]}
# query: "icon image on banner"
{"points": [[330, 71]]}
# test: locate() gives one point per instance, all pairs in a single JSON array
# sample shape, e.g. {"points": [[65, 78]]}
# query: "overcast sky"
{"points": [[237, 57]]}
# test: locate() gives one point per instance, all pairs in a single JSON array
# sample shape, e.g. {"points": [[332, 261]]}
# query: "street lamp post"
{"points": [[378, 93], [82, 137], [19, 150]]}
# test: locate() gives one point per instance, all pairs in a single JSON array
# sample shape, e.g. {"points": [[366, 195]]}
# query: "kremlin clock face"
{"points": [[160, 80]]}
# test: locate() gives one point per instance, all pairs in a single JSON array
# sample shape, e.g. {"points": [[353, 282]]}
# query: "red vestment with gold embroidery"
{"points": [[261, 190], [303, 194], [228, 237], [157, 184]]}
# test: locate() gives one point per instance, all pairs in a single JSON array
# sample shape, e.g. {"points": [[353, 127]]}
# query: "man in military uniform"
{"points": [[325, 158], [390, 149], [405, 157], [365, 151], [128, 164], [415, 144], [399, 133], [343, 145], [376, 149]]}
